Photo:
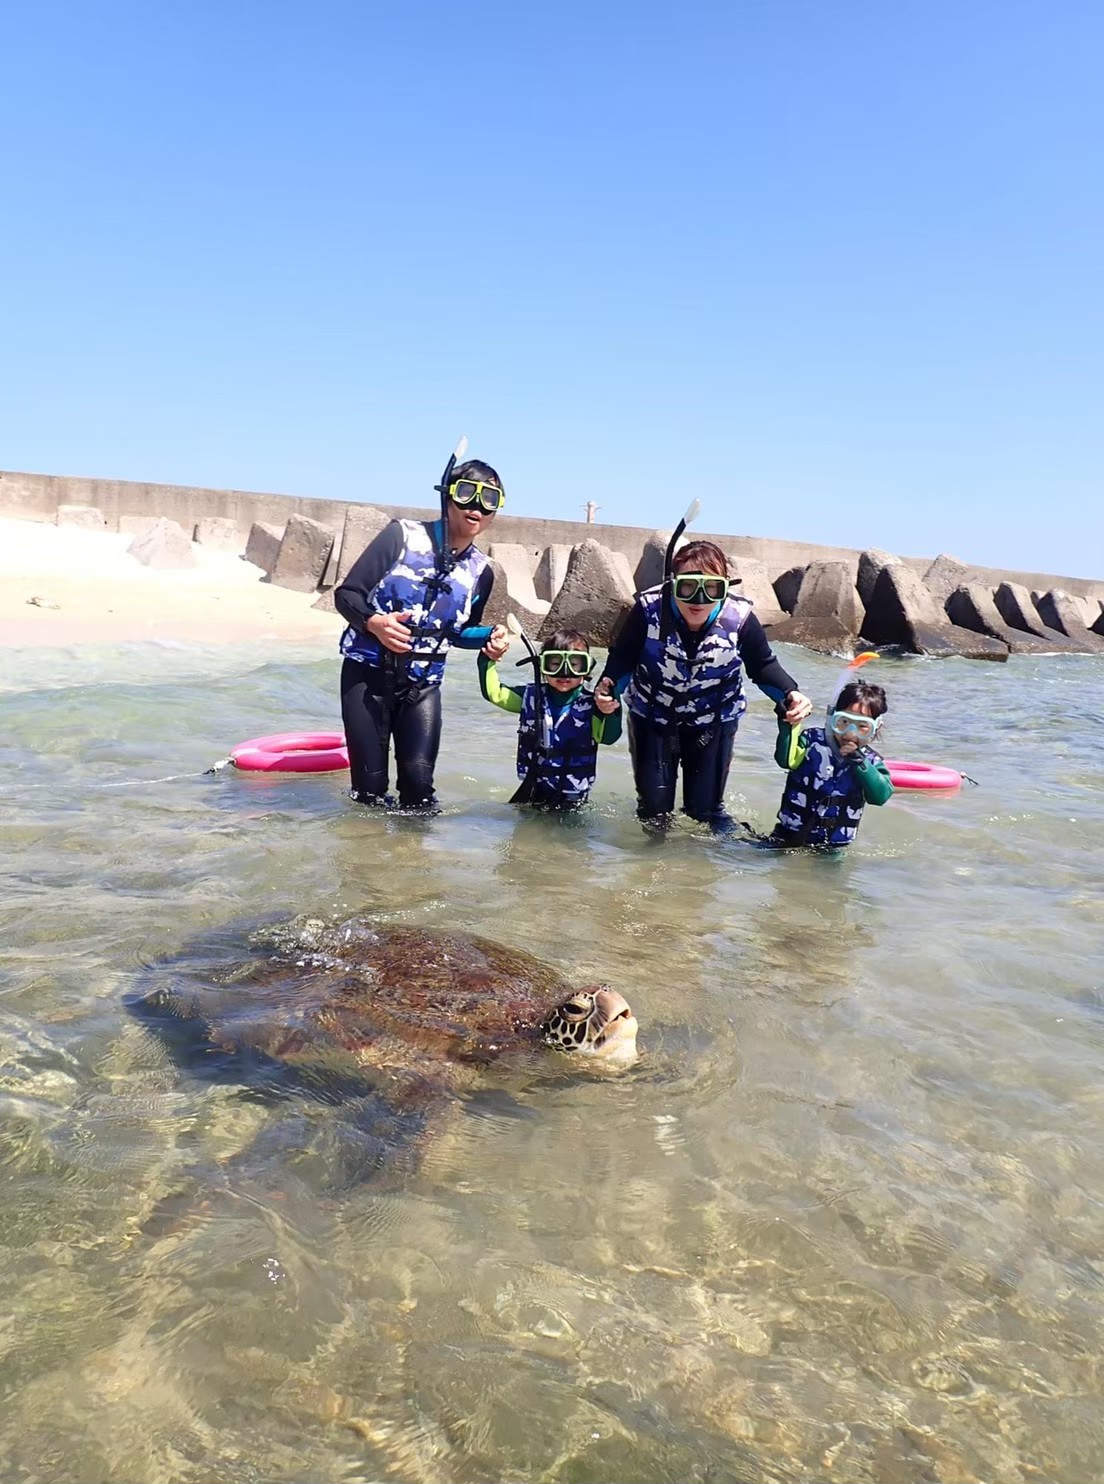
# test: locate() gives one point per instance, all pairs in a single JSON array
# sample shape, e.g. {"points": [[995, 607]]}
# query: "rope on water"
{"points": [[138, 782], [172, 777]]}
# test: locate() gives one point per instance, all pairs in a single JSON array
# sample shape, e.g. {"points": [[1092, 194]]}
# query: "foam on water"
{"points": [[842, 1222]]}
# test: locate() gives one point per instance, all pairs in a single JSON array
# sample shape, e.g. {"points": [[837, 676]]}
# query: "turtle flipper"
{"points": [[371, 1142]]}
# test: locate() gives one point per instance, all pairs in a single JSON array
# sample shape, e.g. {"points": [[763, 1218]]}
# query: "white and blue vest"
{"points": [[441, 606], [669, 688], [823, 801], [566, 769]]}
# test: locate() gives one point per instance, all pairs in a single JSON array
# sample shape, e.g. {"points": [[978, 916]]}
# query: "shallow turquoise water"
{"points": [[844, 1221]]}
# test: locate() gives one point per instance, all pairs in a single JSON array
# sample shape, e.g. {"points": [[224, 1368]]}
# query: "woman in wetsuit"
{"points": [[682, 653], [412, 594]]}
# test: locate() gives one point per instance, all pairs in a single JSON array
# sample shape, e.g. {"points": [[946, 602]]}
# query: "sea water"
{"points": [[844, 1221]]}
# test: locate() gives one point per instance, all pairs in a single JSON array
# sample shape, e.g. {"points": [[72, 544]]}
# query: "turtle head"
{"points": [[594, 1022]]}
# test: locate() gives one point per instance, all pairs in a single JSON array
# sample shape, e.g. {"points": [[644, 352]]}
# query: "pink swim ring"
{"points": [[292, 752], [923, 775]]}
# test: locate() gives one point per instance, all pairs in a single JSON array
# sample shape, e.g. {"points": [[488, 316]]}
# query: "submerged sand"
{"points": [[105, 595]]}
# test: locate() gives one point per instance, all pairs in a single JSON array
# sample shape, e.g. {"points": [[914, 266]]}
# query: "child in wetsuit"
{"points": [[557, 750], [834, 771]]}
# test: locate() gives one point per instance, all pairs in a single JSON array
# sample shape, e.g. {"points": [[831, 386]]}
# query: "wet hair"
{"points": [[476, 469], [859, 693], [566, 639], [701, 556]]}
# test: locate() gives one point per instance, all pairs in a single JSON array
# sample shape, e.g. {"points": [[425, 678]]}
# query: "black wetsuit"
{"points": [[380, 705], [705, 753]]}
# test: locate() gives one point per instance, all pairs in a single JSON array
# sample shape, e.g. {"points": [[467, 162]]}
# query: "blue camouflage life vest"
{"points": [[566, 769], [822, 803], [441, 606], [669, 688]]}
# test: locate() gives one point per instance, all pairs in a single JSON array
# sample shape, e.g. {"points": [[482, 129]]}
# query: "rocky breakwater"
{"points": [[949, 609], [878, 601], [871, 599]]}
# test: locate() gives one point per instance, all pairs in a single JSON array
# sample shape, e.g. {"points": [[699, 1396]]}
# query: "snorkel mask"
{"points": [[847, 724], [700, 588], [566, 664], [489, 497]]}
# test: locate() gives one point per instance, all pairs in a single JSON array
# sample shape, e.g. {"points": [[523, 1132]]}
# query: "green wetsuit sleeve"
{"points": [[505, 697], [791, 747], [606, 729], [877, 786]]}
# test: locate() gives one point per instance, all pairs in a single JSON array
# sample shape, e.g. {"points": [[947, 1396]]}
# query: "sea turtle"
{"points": [[393, 1022]]}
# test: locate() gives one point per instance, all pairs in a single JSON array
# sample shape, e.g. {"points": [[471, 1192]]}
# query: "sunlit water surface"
{"points": [[843, 1222]]}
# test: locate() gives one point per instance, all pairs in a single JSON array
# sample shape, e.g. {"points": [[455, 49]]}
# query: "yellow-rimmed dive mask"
{"points": [[700, 587], [464, 492], [573, 664]]}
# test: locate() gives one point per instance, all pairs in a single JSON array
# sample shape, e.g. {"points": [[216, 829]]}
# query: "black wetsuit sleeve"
{"points": [[627, 648], [760, 662], [475, 634], [374, 562], [481, 597]]}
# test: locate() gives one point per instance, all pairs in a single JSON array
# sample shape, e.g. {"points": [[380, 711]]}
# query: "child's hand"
{"points": [[605, 699], [499, 642], [798, 707]]}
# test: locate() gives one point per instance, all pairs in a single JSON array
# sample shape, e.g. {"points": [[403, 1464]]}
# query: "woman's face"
{"points": [[696, 615]]}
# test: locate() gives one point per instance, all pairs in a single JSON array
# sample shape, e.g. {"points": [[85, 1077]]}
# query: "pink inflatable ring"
{"points": [[923, 775], [292, 752]]}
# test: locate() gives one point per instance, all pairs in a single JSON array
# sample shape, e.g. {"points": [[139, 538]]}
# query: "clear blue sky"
{"points": [[833, 265]]}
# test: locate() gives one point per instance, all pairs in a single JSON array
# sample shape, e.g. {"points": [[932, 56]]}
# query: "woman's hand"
{"points": [[604, 697], [798, 707], [499, 642], [391, 631]]}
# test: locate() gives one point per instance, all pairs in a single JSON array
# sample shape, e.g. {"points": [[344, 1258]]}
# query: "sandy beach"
{"points": [[104, 595]]}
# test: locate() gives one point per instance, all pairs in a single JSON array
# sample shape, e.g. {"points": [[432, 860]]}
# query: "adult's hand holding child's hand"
{"points": [[391, 630], [604, 697], [798, 707]]}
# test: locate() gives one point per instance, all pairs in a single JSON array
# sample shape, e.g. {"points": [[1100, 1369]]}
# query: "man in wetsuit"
{"points": [[415, 592]]}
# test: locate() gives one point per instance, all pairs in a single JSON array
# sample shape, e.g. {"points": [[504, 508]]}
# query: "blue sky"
{"points": [[832, 265]]}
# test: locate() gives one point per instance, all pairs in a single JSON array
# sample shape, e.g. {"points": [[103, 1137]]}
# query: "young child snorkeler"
{"points": [[559, 748], [834, 771]]}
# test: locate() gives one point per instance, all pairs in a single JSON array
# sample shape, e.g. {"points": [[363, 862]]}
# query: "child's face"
{"points": [[564, 670], [850, 742]]}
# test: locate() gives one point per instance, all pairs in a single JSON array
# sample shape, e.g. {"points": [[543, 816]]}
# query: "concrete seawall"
{"points": [[37, 497]]}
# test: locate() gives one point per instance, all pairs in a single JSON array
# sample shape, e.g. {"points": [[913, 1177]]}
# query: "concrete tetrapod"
{"points": [[1062, 611], [828, 615], [902, 612], [972, 607], [594, 598]]}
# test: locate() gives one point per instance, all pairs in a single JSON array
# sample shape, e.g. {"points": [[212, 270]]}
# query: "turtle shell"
{"points": [[357, 999]]}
